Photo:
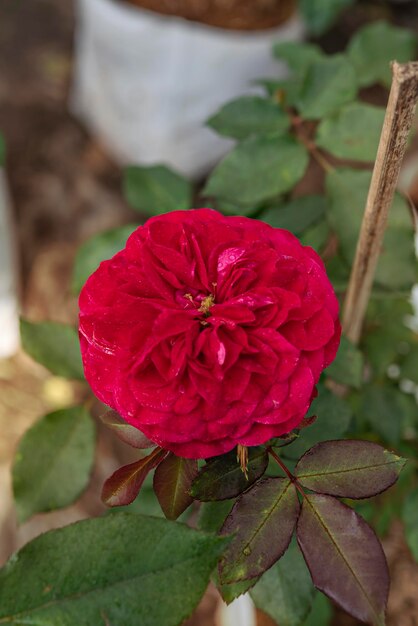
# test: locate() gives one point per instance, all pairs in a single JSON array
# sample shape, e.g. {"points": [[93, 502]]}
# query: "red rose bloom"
{"points": [[208, 331]]}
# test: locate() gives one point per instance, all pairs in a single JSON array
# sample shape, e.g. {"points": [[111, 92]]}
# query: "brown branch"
{"points": [[398, 120]]}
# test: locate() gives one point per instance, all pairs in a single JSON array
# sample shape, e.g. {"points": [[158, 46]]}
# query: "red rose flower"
{"points": [[208, 331]]}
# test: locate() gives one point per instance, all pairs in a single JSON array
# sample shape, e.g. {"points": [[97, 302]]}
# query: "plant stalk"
{"points": [[393, 140]]}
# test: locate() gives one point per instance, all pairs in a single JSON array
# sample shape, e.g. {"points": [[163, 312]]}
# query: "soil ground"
{"points": [[64, 188]]}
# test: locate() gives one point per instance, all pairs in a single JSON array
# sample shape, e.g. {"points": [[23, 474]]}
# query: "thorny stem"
{"points": [[282, 466]]}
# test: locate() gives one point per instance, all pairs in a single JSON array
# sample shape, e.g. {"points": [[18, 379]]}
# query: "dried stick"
{"points": [[398, 120]]}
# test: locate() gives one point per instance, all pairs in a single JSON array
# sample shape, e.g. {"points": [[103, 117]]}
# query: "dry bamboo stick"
{"points": [[393, 140]]}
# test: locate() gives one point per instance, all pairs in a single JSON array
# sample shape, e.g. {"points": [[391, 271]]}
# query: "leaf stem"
{"points": [[297, 124], [289, 474]]}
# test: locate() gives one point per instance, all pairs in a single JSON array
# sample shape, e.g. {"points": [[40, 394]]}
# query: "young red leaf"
{"points": [[344, 557], [222, 477], [348, 468], [127, 433], [172, 481], [262, 522], [124, 484]]}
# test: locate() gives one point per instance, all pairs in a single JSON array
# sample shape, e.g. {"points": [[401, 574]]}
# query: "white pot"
{"points": [[145, 83], [240, 612], [9, 316]]}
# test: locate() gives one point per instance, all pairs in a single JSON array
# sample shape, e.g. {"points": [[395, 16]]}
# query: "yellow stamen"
{"points": [[206, 304], [242, 458]]}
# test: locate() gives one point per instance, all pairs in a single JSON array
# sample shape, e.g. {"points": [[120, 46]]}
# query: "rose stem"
{"points": [[290, 476], [393, 140]]}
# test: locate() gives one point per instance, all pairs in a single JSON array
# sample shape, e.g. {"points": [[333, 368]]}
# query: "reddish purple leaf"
{"points": [[124, 485], [127, 433], [262, 522], [172, 481], [344, 557], [348, 468]]}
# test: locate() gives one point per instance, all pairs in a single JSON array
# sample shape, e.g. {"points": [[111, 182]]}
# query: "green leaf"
{"points": [[297, 215], [155, 190], [298, 56], [232, 591], [316, 236], [409, 368], [383, 408], [381, 349], [230, 208], [285, 592], [347, 191], [172, 481], [410, 520], [53, 345], [212, 515], [250, 115], [374, 46], [319, 15], [330, 83], [348, 468], [118, 569], [262, 522], [321, 612], [352, 133], [123, 486], [344, 557], [97, 249], [126, 433], [333, 419], [53, 462], [347, 368], [259, 168], [222, 477]]}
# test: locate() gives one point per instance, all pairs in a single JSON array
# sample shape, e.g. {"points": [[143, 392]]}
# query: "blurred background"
{"points": [[79, 99]]}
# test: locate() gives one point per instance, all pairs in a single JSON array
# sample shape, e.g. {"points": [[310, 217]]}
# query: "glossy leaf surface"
{"points": [[97, 249], [344, 557], [321, 611], [109, 571], [348, 468], [156, 189], [320, 14], [53, 461], [124, 485], [172, 481], [297, 215], [262, 521], [285, 591], [330, 84], [222, 477], [374, 46], [53, 345], [353, 133], [259, 168], [250, 115]]}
